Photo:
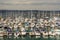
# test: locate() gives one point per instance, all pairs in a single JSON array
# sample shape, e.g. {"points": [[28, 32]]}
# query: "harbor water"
{"points": [[28, 38]]}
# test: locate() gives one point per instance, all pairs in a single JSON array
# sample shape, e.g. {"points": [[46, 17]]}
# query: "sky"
{"points": [[30, 4]]}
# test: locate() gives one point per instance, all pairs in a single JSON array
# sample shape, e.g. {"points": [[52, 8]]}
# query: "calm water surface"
{"points": [[29, 38]]}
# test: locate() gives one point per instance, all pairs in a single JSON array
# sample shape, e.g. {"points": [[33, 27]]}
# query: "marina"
{"points": [[29, 24]]}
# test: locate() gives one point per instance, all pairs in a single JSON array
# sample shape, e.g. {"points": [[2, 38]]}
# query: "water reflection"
{"points": [[29, 38]]}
